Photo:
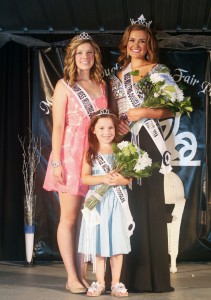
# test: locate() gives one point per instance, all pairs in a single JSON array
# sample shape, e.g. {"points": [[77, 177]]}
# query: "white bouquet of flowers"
{"points": [[163, 92], [130, 161]]}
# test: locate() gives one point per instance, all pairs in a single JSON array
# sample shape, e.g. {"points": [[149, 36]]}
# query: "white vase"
{"points": [[29, 243], [29, 226]]}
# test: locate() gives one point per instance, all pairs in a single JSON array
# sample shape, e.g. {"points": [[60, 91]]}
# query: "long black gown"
{"points": [[146, 267]]}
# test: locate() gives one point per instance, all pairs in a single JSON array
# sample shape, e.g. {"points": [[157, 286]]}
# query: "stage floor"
{"points": [[47, 280]]}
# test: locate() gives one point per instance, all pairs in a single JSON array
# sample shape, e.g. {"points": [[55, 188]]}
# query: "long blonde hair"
{"points": [[152, 45], [70, 68]]}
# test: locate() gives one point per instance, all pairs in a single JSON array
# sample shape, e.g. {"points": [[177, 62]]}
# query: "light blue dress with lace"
{"points": [[111, 235]]}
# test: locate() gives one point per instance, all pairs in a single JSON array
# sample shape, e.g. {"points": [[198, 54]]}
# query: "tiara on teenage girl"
{"points": [[105, 111], [84, 36], [142, 21]]}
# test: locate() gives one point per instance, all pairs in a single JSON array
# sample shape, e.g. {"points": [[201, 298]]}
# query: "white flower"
{"points": [[180, 95], [155, 77], [122, 145], [156, 95], [168, 79], [174, 94], [143, 162], [173, 97]]}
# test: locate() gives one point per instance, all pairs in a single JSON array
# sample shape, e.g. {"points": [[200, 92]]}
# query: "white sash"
{"points": [[119, 193], [156, 136], [130, 93], [83, 99], [149, 124]]}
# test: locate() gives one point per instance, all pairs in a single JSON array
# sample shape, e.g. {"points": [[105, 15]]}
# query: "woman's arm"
{"points": [[112, 103], [58, 109], [135, 114]]}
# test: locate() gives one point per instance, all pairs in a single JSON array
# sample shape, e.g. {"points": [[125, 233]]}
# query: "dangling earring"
{"points": [[147, 56]]}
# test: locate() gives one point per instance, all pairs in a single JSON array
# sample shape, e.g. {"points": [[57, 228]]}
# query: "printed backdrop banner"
{"points": [[186, 138]]}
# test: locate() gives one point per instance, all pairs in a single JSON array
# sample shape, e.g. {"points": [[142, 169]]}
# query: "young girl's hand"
{"points": [[115, 178], [107, 178]]}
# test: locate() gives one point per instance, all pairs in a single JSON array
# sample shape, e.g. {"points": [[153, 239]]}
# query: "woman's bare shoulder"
{"points": [[61, 83], [61, 90]]}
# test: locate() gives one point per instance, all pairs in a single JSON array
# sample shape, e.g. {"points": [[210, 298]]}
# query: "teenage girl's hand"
{"points": [[58, 174]]}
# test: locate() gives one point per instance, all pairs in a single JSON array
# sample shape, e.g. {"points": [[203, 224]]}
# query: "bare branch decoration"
{"points": [[31, 159]]}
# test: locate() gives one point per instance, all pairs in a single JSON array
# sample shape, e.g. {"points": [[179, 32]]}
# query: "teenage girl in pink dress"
{"points": [[76, 97]]}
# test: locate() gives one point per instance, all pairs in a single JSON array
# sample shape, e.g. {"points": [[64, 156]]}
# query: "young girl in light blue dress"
{"points": [[104, 231]]}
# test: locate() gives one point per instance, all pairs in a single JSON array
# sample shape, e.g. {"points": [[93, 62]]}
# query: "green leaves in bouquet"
{"points": [[134, 73], [126, 160], [142, 173]]}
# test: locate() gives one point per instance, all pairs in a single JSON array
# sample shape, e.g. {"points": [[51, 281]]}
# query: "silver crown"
{"points": [[84, 36], [142, 21], [105, 111]]}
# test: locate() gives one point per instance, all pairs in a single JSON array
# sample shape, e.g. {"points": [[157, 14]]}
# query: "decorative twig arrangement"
{"points": [[31, 158]]}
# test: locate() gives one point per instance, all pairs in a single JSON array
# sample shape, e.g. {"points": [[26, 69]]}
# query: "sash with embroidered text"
{"points": [[100, 159], [83, 98], [149, 124]]}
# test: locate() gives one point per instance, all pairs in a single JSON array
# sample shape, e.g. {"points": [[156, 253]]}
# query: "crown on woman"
{"points": [[142, 21], [105, 111], [84, 36]]}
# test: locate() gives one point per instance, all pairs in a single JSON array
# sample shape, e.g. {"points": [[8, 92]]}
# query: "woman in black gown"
{"points": [[146, 268]]}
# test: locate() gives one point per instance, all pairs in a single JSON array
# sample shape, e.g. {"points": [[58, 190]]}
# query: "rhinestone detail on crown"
{"points": [[84, 36], [105, 111], [142, 21]]}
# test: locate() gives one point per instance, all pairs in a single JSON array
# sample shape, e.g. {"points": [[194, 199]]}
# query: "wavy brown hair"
{"points": [[70, 68], [92, 139], [152, 45]]}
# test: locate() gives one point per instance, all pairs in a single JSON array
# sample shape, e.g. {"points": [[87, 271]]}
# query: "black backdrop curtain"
{"points": [[15, 66], [190, 156], [14, 119]]}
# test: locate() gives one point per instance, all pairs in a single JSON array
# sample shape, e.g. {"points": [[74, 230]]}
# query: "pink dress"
{"points": [[74, 143]]}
